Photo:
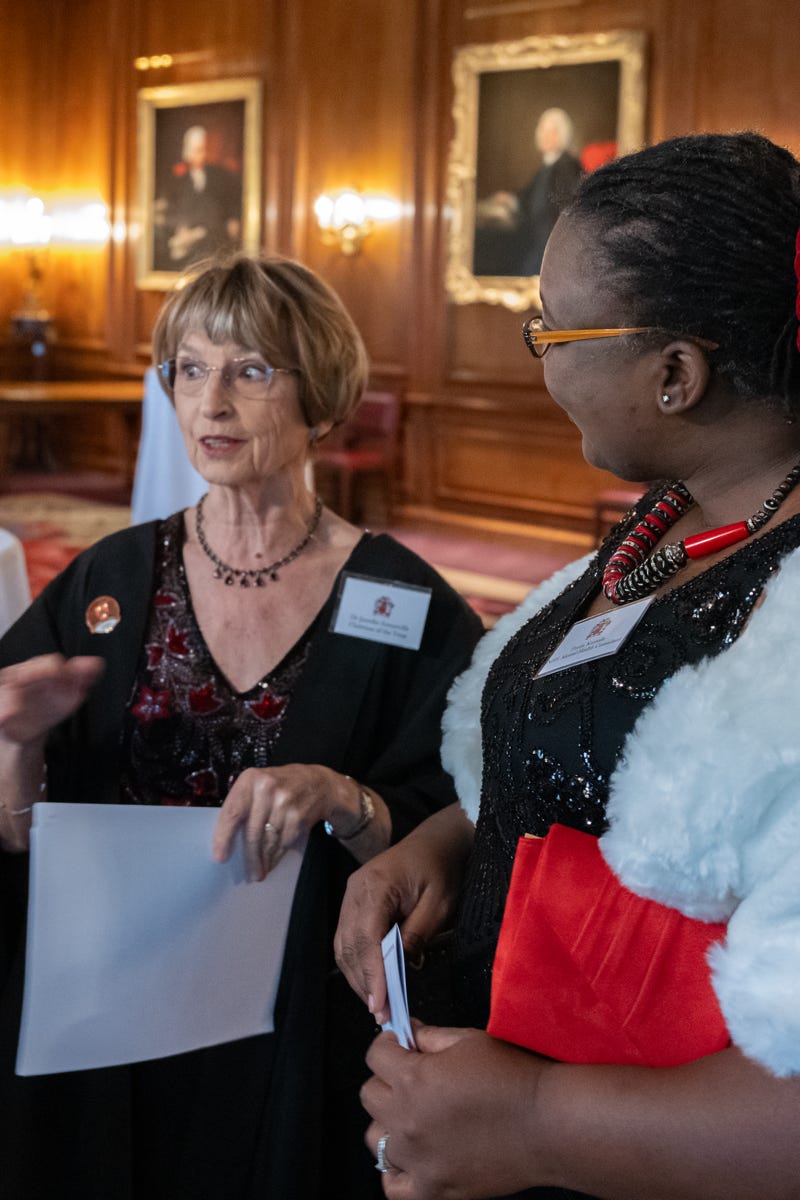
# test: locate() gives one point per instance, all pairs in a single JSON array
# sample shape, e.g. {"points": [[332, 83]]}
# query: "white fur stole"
{"points": [[704, 806]]}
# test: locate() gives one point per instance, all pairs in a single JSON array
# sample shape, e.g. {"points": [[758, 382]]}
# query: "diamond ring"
{"points": [[383, 1165]]}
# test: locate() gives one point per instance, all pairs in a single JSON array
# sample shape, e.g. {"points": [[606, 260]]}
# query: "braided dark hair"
{"points": [[698, 234]]}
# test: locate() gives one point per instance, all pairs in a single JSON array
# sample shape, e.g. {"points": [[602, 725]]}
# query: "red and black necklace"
{"points": [[637, 568]]}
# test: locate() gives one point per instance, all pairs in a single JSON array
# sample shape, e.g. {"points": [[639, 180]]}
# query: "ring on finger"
{"points": [[270, 831], [383, 1165]]}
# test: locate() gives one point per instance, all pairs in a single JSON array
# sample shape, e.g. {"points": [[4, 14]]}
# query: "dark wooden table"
{"points": [[53, 398]]}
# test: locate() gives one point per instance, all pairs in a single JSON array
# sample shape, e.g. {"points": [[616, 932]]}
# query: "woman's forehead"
{"points": [[561, 273], [574, 279]]}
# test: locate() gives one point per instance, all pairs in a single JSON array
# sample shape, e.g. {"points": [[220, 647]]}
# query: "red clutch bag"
{"points": [[587, 972]]}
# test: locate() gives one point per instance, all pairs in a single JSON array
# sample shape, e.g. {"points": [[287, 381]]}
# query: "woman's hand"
{"points": [[457, 1114], [470, 1116], [274, 806], [417, 883], [37, 695]]}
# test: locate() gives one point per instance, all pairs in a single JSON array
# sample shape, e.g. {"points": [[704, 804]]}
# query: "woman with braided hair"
{"points": [[645, 697]]}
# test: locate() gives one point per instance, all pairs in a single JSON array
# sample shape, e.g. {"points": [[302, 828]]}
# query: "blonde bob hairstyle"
{"points": [[281, 310]]}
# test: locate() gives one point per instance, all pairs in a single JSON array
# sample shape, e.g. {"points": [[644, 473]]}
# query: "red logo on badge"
{"points": [[598, 628], [383, 606]]}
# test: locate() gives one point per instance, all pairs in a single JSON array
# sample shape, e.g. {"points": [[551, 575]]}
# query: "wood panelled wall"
{"points": [[359, 92]]}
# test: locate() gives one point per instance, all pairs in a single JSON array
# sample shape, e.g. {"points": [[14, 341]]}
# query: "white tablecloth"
{"points": [[164, 480], [15, 593]]}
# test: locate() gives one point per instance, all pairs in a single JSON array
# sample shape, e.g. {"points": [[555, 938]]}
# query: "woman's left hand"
{"points": [[456, 1117], [274, 806]]}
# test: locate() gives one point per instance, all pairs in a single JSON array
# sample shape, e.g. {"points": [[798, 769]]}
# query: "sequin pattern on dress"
{"points": [[187, 734]]}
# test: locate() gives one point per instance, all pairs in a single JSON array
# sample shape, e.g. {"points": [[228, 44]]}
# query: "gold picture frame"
{"points": [[507, 97], [199, 166]]}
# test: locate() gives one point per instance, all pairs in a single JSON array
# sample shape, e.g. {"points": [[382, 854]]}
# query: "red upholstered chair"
{"points": [[365, 445]]}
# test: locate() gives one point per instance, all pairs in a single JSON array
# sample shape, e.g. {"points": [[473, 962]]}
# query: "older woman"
{"points": [[213, 676], [669, 334]]}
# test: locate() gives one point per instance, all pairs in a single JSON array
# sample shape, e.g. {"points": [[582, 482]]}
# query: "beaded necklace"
{"points": [[253, 575], [636, 568]]}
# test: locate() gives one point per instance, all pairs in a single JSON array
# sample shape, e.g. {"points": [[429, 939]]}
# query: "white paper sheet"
{"points": [[139, 944], [394, 967]]}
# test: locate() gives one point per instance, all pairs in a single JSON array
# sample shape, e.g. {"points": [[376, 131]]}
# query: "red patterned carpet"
{"points": [[54, 528], [493, 576]]}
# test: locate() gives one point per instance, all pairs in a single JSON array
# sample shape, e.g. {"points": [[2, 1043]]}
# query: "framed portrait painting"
{"points": [[531, 117], [198, 175]]}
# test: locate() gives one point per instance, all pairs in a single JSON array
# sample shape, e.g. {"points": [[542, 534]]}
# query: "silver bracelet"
{"points": [[22, 812], [366, 813], [16, 812]]}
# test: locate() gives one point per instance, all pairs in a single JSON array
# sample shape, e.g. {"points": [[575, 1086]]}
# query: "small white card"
{"points": [[394, 967], [381, 610], [596, 637]]}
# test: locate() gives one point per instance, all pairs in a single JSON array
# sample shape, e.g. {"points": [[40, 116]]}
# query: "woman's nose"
{"points": [[216, 396]]}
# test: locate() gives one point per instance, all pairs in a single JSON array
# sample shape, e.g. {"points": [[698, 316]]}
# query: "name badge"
{"points": [[381, 610], [596, 637]]}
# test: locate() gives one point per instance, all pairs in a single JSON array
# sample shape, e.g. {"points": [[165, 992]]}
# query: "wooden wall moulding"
{"points": [[515, 8], [513, 469], [530, 117]]}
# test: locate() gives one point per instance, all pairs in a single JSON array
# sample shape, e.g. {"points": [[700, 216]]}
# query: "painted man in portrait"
{"points": [[511, 228], [201, 214]]}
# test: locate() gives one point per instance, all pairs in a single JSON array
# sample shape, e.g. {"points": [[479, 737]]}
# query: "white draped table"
{"points": [[164, 480], [15, 593]]}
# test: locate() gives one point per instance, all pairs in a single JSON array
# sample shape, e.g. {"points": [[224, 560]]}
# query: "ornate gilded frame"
{"points": [[231, 111], [519, 292]]}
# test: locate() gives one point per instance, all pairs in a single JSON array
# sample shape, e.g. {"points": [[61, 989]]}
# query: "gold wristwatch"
{"points": [[364, 817]]}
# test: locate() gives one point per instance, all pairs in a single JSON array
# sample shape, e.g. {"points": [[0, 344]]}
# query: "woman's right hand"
{"points": [[35, 696], [38, 694], [416, 883]]}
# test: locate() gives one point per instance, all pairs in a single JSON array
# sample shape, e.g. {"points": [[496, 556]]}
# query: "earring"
{"points": [[666, 398], [313, 434]]}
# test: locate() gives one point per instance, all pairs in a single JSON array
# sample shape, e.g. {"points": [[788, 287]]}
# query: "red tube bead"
{"points": [[701, 544]]}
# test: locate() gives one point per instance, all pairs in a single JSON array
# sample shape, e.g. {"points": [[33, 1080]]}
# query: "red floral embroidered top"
{"points": [[187, 734]]}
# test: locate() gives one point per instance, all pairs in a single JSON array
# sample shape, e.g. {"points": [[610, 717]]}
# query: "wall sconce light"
{"points": [[28, 223], [25, 225], [158, 62], [346, 217], [79, 221]]}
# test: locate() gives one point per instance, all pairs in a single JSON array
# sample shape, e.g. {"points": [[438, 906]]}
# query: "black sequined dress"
{"points": [[187, 734], [551, 744]]}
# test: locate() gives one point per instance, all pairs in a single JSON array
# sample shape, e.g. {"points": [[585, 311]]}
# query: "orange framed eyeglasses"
{"points": [[539, 340]]}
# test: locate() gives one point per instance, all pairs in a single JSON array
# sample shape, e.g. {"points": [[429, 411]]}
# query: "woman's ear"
{"points": [[317, 432], [684, 376]]}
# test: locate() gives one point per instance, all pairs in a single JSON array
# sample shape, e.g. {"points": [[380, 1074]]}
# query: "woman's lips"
{"points": [[219, 445]]}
